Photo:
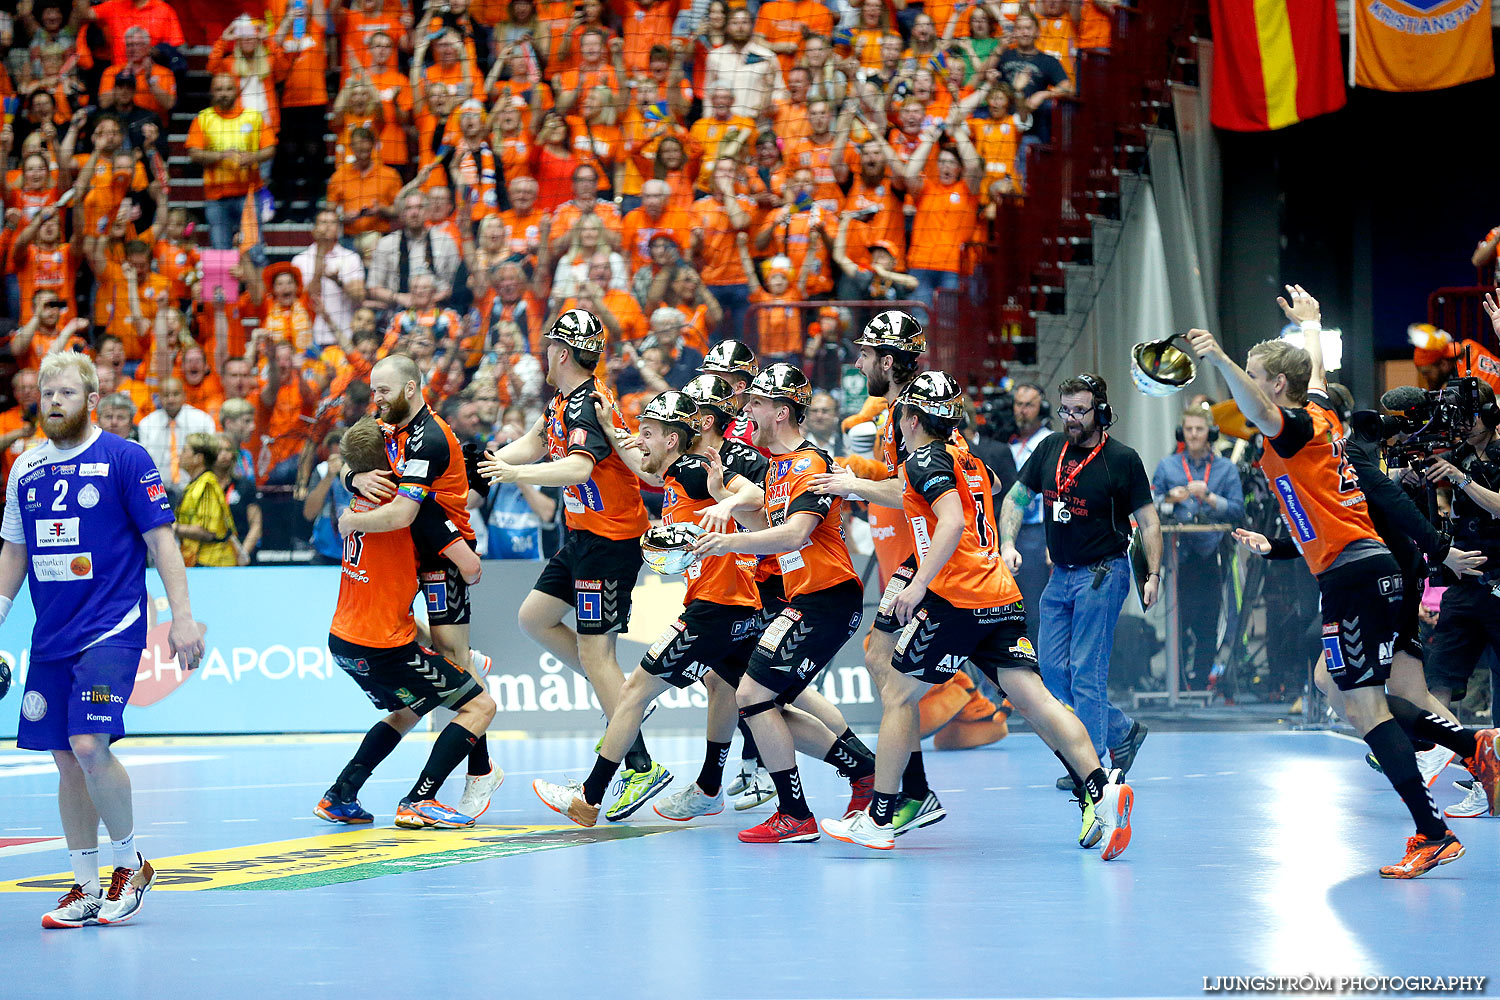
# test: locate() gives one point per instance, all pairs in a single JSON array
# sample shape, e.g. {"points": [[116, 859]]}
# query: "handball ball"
{"points": [[668, 548], [4, 677]]}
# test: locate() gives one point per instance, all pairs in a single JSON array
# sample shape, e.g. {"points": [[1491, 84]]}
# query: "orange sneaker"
{"points": [[1485, 766], [1423, 855]]}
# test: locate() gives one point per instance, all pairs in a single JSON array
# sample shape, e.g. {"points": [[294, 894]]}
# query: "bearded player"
{"points": [[81, 511]]}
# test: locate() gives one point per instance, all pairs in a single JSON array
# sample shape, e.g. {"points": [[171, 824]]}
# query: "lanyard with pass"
{"points": [[1060, 512]]}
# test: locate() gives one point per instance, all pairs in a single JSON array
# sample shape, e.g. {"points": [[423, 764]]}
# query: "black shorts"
{"points": [[596, 576], [884, 620], [704, 637], [940, 637], [1468, 621], [404, 676], [1361, 605], [444, 589], [802, 639], [772, 598]]}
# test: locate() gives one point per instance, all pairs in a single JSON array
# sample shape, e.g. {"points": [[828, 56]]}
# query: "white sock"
{"points": [[86, 869], [124, 851]]}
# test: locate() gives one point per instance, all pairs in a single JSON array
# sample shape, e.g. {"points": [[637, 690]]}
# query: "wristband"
{"points": [[1312, 326], [5, 605], [1150, 575]]}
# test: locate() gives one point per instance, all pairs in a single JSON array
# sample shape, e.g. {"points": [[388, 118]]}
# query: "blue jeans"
{"points": [[223, 220], [927, 281], [1077, 635], [734, 300]]}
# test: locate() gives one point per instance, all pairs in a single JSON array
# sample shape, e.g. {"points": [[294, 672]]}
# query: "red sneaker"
{"points": [[861, 790], [782, 829]]}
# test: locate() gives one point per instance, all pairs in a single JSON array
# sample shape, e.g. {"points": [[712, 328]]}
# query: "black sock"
{"points": [[914, 778], [749, 751], [598, 780], [856, 743], [789, 793], [712, 775], [1094, 784], [1397, 759], [637, 758], [479, 757], [452, 745], [883, 808], [848, 759], [1077, 781], [376, 747], [1427, 726]]}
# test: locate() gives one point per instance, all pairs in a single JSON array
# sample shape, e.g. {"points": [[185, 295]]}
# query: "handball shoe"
{"points": [[861, 790], [748, 767], [1472, 806], [639, 788], [334, 811], [1123, 756], [758, 790], [127, 891], [1485, 767], [913, 814], [782, 829], [861, 830], [690, 803], [477, 791], [430, 812], [566, 799], [1113, 810], [1423, 855], [75, 908], [1433, 762], [1093, 830], [479, 664]]}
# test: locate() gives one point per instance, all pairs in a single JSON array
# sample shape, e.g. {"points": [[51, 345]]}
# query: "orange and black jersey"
{"points": [[426, 454], [379, 579], [608, 503], [743, 460], [1316, 484], [974, 576], [727, 579], [893, 443], [824, 561]]}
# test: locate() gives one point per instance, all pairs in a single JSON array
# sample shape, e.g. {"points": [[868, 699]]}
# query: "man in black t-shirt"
{"points": [[1090, 485], [1035, 76]]}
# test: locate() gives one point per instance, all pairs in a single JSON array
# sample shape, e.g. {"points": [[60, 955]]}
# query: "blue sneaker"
{"points": [[350, 812], [429, 812]]}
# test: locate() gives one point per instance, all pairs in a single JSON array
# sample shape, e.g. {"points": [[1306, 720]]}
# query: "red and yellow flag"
{"points": [[1276, 63], [1420, 44]]}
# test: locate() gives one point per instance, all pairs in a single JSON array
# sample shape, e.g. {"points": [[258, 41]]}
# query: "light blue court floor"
{"points": [[1254, 854]]}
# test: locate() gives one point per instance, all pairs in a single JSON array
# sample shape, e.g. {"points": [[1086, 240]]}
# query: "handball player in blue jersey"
{"points": [[81, 511]]}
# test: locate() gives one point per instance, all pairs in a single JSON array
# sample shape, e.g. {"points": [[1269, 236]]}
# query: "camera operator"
{"points": [[1470, 614]]}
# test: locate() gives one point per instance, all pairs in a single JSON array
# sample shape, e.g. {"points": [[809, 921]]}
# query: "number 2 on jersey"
{"points": [[61, 502]]}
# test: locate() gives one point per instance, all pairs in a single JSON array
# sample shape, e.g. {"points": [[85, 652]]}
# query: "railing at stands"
{"points": [[1460, 311], [1017, 272]]}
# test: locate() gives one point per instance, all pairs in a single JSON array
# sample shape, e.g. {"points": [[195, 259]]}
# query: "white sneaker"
{"points": [[568, 800], [477, 791], [758, 790], [75, 908], [479, 665], [1433, 762], [1113, 812], [690, 803], [858, 828], [1474, 805], [127, 891], [742, 780]]}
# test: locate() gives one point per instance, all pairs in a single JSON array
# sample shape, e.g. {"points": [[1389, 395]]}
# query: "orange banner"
{"points": [[1420, 44]]}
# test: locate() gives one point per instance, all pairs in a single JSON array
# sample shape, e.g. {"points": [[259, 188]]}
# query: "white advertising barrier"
{"points": [[267, 667]]}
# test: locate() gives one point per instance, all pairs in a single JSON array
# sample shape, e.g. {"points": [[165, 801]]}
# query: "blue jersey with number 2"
{"points": [[81, 513]]}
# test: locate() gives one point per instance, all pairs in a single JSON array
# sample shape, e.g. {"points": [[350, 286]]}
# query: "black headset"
{"points": [[1103, 413], [1489, 412], [1046, 408], [1213, 429]]}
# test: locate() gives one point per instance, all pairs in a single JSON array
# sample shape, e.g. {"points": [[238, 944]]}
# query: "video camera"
{"points": [[1427, 421]]}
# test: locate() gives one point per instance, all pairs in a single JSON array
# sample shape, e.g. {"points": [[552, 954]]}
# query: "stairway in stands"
{"points": [[1030, 290], [283, 240]]}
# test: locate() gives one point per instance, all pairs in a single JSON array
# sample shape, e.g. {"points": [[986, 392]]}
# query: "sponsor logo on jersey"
{"points": [[782, 466], [32, 476], [802, 465], [589, 493], [414, 467], [1297, 516], [82, 566], [156, 491], [57, 532], [437, 597], [88, 497], [31, 495], [588, 584], [93, 469], [780, 493], [590, 606], [65, 470], [151, 476], [578, 438]]}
